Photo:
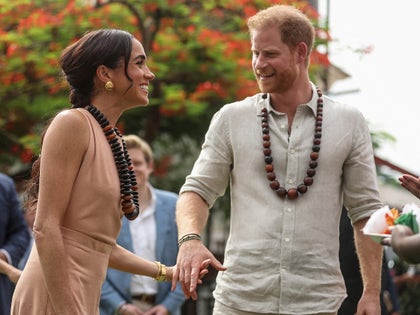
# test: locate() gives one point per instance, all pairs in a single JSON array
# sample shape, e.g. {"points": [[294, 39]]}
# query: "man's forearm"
{"points": [[191, 213], [370, 258]]}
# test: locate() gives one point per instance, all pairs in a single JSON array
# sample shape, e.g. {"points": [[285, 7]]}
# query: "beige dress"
{"points": [[91, 226]]}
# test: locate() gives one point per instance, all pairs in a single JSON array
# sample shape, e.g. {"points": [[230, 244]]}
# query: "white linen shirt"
{"points": [[282, 255]]}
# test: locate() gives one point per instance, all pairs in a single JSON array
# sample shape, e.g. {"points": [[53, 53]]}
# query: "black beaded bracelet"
{"points": [[188, 237]]}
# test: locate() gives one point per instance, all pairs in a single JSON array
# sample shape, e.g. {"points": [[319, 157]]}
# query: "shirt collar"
{"points": [[312, 104]]}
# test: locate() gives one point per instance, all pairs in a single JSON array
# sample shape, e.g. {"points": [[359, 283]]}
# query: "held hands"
{"points": [[193, 262], [174, 278], [169, 272]]}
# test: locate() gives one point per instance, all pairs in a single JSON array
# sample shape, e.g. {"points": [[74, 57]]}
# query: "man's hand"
{"points": [[193, 261], [369, 304]]}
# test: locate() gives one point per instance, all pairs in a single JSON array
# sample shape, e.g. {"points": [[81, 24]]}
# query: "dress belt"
{"points": [[147, 298]]}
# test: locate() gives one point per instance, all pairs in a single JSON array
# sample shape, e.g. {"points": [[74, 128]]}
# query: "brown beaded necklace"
{"points": [[128, 183], [292, 193]]}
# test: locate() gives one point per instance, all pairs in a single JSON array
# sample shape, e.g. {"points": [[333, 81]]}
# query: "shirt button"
{"points": [[291, 181], [289, 209], [282, 126], [292, 151], [287, 239]]}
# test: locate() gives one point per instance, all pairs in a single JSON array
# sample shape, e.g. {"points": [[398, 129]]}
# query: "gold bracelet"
{"points": [[161, 274]]}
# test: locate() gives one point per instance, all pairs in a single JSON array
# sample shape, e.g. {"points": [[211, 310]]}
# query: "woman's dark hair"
{"points": [[80, 60], [32, 188]]}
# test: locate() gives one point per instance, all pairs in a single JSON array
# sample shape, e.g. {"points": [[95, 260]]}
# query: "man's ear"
{"points": [[301, 52]]}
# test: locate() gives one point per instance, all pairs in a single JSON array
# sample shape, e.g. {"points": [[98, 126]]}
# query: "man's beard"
{"points": [[285, 81]]}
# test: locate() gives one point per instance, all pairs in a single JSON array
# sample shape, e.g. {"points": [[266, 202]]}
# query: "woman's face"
{"points": [[134, 93]]}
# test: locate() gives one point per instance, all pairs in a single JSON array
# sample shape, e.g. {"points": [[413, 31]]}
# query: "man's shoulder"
{"points": [[339, 109]]}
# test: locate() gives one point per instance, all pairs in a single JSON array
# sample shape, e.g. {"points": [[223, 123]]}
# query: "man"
{"points": [[152, 236], [292, 157], [14, 238]]}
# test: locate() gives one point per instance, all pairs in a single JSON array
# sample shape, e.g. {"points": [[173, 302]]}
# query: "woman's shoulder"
{"points": [[70, 119], [73, 115], [68, 127]]}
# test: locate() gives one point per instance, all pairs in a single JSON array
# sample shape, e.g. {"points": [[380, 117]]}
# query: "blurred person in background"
{"points": [[14, 239]]}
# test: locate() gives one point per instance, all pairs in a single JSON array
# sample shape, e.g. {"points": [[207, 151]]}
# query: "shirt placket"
{"points": [[289, 208]]}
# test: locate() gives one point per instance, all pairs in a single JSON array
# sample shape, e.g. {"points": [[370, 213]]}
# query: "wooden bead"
{"points": [[292, 193], [281, 192], [310, 172], [269, 168], [271, 176], [267, 151], [308, 181], [274, 185], [302, 188]]}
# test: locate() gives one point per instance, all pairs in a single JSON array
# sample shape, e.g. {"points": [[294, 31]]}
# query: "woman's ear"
{"points": [[103, 73]]}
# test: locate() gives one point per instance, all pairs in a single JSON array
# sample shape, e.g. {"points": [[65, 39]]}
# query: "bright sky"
{"points": [[388, 77]]}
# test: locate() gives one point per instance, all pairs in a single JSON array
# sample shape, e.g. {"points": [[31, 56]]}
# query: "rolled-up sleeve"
{"points": [[215, 158], [361, 196]]}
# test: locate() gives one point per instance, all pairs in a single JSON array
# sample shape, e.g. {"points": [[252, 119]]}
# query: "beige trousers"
{"points": [[221, 309]]}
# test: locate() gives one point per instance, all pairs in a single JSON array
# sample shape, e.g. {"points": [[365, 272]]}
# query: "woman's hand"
{"points": [[10, 271], [14, 275]]}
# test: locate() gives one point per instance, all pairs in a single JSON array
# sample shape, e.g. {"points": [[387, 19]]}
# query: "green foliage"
{"points": [[174, 157], [381, 137], [199, 51]]}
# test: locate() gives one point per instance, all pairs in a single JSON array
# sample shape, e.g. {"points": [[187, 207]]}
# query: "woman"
{"points": [[86, 181]]}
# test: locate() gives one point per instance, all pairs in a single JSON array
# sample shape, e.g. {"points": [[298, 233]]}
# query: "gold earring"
{"points": [[109, 86]]}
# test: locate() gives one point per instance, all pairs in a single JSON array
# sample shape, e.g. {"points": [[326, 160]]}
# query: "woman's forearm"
{"points": [[124, 260], [10, 271]]}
